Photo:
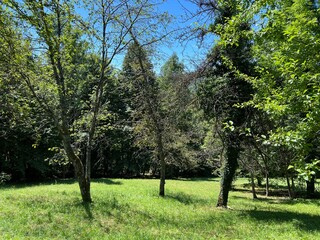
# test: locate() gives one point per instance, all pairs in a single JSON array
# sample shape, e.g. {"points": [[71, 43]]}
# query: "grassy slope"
{"points": [[131, 209]]}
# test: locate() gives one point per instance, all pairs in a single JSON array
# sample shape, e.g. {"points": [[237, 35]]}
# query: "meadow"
{"points": [[132, 209]]}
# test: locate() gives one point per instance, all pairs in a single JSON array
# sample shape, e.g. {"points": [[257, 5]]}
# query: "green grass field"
{"points": [[131, 209]]}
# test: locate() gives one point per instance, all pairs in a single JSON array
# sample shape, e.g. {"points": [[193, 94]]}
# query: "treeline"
{"points": [[31, 149], [68, 111], [110, 113]]}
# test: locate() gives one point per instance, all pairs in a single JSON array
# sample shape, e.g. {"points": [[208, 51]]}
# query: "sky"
{"points": [[190, 52]]}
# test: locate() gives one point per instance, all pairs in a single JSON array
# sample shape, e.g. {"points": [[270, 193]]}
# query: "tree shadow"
{"points": [[307, 222], [272, 192], [17, 185], [55, 181], [186, 199], [87, 208], [107, 181], [198, 179], [286, 200], [106, 207], [276, 190]]}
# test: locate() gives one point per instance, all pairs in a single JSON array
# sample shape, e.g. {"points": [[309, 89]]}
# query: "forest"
{"points": [[81, 96]]}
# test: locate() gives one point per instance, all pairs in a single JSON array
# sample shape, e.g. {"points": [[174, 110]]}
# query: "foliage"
{"points": [[25, 131], [222, 87], [184, 122], [142, 97], [4, 177], [286, 47]]}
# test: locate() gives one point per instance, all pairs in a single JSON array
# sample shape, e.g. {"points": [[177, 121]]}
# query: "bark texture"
{"points": [[83, 180], [233, 151]]}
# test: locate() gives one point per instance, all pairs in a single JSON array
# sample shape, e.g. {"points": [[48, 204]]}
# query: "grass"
{"points": [[131, 209]]}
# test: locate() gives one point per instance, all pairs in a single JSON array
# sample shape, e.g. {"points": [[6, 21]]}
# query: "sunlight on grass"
{"points": [[131, 209]]}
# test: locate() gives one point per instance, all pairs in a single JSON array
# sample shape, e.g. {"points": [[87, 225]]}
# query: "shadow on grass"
{"points": [[306, 222], [287, 201], [106, 206], [276, 191], [198, 179], [87, 208], [271, 186], [57, 181], [35, 184], [272, 193], [186, 199], [107, 181]]}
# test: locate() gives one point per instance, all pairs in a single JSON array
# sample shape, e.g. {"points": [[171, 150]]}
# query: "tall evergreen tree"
{"points": [[148, 115], [222, 88], [184, 124]]}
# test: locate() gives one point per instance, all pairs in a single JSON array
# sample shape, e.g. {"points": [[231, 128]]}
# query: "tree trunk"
{"points": [[289, 187], [162, 165], [162, 179], [311, 155], [231, 165], [64, 171], [259, 181], [88, 159], [84, 185], [267, 184], [311, 187], [84, 182], [254, 194], [293, 185]]}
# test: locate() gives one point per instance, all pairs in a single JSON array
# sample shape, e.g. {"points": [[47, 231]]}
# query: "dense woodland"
{"points": [[251, 107]]}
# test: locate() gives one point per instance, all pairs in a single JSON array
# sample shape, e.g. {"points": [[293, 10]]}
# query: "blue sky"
{"points": [[190, 52]]}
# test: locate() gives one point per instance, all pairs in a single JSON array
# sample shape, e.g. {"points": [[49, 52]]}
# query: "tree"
{"points": [[222, 88], [286, 48], [52, 23], [61, 58], [185, 126], [137, 69], [174, 96]]}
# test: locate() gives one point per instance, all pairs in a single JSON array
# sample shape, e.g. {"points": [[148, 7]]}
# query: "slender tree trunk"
{"points": [[64, 171], [311, 187], [84, 181], [87, 175], [267, 184], [311, 155], [259, 181], [289, 187], [293, 185], [88, 159], [162, 165], [254, 194], [162, 177], [231, 165]]}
